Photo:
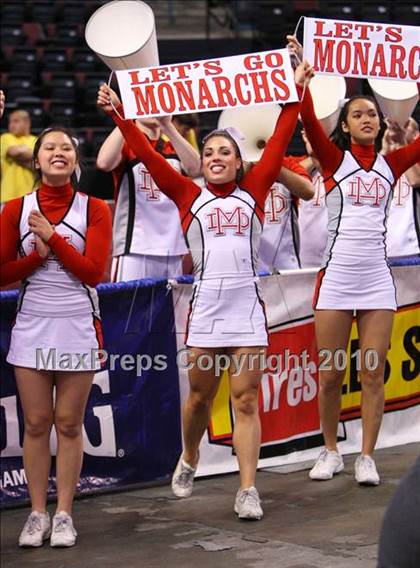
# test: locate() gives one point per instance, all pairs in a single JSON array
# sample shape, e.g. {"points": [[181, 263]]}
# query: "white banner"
{"points": [[362, 49], [288, 398], [213, 84]]}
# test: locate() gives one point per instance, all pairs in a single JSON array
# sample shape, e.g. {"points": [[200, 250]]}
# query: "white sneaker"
{"points": [[183, 479], [365, 471], [327, 464], [37, 529], [63, 532], [248, 504]]}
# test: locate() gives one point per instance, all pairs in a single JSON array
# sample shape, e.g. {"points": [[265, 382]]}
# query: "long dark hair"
{"points": [[342, 139], [38, 143], [225, 134]]}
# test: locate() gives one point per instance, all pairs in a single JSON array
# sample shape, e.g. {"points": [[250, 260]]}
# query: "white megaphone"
{"points": [[397, 99], [122, 33], [256, 124], [328, 92]]}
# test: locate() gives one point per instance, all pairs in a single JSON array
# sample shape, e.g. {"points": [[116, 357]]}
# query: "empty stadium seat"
{"points": [[62, 87], [12, 12], [85, 60], [42, 12], [375, 12], [61, 112], [68, 34], [24, 60], [55, 59], [12, 34]]}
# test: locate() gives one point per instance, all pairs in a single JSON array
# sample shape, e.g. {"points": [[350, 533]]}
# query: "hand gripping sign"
{"points": [[361, 49]]}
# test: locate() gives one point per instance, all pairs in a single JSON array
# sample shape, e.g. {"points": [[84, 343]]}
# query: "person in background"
{"points": [[2, 103], [313, 214], [16, 150], [403, 223], [187, 125], [399, 542], [55, 240], [147, 236], [280, 239]]}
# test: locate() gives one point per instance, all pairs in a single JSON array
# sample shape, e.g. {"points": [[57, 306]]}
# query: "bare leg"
{"points": [[375, 327], [197, 407], [36, 395], [247, 430], [332, 332], [72, 394]]}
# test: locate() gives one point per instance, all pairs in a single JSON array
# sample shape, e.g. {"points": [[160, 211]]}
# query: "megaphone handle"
{"points": [[295, 33], [295, 54], [110, 102]]}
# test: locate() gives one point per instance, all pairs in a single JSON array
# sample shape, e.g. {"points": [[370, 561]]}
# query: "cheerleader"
{"points": [[222, 222], [280, 239], [147, 235], [403, 224], [355, 275], [56, 241]]}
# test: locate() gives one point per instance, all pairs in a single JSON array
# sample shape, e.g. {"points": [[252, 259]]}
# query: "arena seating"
{"points": [[49, 70]]}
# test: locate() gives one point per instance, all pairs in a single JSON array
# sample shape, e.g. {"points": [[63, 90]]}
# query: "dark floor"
{"points": [[307, 524]]}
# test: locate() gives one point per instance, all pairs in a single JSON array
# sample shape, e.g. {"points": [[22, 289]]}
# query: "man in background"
{"points": [[16, 157]]}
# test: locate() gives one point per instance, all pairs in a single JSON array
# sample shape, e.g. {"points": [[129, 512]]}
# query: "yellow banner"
{"points": [[402, 372]]}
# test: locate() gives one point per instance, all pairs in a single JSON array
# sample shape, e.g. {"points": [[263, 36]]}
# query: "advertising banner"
{"points": [[132, 424]]}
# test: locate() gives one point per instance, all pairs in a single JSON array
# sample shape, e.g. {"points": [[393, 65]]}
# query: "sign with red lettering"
{"points": [[362, 49], [213, 84]]}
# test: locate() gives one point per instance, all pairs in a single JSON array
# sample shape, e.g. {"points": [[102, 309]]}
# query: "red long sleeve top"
{"points": [[54, 203], [330, 156], [183, 191]]}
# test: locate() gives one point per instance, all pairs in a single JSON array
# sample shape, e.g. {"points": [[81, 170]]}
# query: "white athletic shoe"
{"points": [[63, 532], [183, 479], [37, 529], [365, 471], [327, 464], [248, 504]]}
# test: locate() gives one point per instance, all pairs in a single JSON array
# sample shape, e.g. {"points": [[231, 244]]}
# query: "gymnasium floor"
{"points": [[307, 524]]}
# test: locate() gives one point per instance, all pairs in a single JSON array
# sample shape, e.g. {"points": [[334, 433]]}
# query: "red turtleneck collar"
{"points": [[55, 200], [221, 189], [365, 155], [60, 192]]}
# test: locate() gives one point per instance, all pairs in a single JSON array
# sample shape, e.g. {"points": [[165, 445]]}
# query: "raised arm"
{"points": [[190, 158], [110, 153], [262, 176], [328, 154], [177, 187], [296, 179], [397, 138], [326, 151]]}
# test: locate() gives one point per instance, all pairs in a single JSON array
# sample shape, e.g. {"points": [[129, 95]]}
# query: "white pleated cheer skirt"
{"points": [[232, 317], [56, 344], [355, 288]]}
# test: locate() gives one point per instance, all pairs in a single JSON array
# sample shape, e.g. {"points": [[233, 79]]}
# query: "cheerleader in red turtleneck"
{"points": [[55, 240], [222, 222], [355, 275]]}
